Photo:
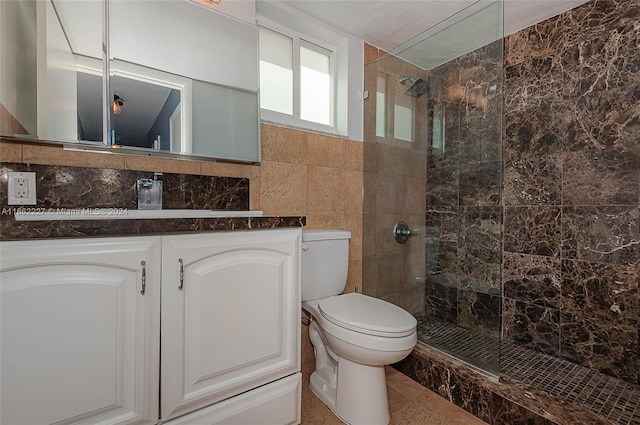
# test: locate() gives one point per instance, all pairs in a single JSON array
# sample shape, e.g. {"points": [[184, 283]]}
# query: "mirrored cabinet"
{"points": [[171, 77]]}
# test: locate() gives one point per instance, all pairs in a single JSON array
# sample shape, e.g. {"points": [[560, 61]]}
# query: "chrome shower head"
{"points": [[416, 88]]}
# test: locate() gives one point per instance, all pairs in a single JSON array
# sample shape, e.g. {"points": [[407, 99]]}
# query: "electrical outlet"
{"points": [[21, 188]]}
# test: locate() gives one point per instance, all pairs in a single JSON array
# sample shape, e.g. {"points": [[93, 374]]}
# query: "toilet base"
{"points": [[361, 396]]}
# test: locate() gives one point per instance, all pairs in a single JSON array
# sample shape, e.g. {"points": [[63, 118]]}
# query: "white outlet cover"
{"points": [[31, 181]]}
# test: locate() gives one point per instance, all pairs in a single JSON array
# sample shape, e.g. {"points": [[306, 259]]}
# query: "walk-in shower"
{"points": [[524, 195]]}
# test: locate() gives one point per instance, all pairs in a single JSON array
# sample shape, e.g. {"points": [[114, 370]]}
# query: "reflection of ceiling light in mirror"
{"points": [[117, 104]]}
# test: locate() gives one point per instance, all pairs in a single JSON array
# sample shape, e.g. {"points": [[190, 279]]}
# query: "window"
{"points": [[296, 80], [395, 112], [381, 107], [311, 74], [315, 85], [276, 72]]}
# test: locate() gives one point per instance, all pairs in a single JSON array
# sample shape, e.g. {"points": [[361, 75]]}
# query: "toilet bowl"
{"points": [[353, 335]]}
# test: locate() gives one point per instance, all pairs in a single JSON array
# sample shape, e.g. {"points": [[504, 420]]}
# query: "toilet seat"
{"points": [[367, 315]]}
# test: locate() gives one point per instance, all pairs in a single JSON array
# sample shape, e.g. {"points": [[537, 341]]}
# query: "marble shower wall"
{"points": [[572, 187], [464, 174]]}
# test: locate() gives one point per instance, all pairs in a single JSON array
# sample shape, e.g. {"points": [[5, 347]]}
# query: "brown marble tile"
{"points": [[481, 184], [442, 262], [531, 326], [79, 187], [442, 223], [180, 191], [11, 229], [532, 180], [441, 300], [532, 230], [532, 279], [602, 234], [442, 187], [479, 312], [479, 247], [426, 364], [600, 64], [601, 177], [600, 317], [505, 412]]}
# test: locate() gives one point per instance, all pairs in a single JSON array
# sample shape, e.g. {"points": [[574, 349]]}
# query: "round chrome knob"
{"points": [[401, 232]]}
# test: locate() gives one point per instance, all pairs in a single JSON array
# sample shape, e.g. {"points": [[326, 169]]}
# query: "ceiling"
{"points": [[389, 23]]}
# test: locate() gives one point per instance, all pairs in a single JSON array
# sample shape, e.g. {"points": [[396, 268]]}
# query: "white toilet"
{"points": [[354, 336]]}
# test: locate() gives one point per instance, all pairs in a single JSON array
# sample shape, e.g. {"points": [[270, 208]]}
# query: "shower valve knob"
{"points": [[401, 232]]}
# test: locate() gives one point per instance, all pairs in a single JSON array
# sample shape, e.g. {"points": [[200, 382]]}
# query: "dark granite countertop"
{"points": [[10, 229]]}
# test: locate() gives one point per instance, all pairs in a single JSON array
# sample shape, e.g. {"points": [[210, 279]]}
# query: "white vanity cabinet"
{"points": [[79, 341], [230, 323], [182, 329]]}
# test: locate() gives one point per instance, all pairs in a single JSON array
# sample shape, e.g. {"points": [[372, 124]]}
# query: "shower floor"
{"points": [[608, 397]]}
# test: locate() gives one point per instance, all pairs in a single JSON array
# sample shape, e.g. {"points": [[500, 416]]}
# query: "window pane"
{"points": [[276, 71], [381, 107], [315, 85], [402, 123]]}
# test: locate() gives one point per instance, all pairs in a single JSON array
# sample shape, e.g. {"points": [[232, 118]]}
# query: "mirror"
{"points": [[182, 78]]}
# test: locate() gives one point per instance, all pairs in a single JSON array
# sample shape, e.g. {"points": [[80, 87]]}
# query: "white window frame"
{"points": [[299, 40], [347, 65]]}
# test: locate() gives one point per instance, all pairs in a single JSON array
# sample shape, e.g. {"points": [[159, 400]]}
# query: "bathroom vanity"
{"points": [[183, 328]]}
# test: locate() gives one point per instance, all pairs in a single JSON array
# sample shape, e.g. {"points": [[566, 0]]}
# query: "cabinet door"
{"points": [[235, 322], [79, 342]]}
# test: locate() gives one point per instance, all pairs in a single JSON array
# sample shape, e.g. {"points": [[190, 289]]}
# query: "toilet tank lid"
{"points": [[324, 235]]}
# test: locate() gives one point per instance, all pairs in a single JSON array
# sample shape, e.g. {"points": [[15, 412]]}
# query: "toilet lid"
{"points": [[368, 315]]}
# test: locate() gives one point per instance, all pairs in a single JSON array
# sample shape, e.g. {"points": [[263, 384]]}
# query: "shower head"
{"points": [[416, 88]]}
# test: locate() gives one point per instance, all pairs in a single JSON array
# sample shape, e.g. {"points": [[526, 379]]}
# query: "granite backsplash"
{"points": [[78, 187]]}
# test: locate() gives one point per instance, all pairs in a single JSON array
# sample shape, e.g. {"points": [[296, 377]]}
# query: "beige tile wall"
{"points": [[394, 189]]}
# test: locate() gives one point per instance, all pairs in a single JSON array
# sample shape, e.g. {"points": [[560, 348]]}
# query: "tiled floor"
{"points": [[409, 402], [603, 395]]}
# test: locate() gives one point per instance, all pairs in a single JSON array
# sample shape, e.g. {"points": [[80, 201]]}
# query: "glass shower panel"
{"points": [[459, 129]]}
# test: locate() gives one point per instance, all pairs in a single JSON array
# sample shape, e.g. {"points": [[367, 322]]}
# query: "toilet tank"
{"points": [[325, 263]]}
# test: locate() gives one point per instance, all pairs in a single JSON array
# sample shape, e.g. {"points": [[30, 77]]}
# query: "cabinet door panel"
{"points": [[75, 332], [222, 301], [235, 324]]}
